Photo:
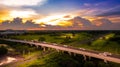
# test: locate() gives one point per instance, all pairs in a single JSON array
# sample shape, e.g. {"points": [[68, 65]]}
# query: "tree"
{"points": [[42, 39], [3, 50], [89, 64]]}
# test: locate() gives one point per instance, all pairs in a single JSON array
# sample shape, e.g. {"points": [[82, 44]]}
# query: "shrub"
{"points": [[3, 50]]}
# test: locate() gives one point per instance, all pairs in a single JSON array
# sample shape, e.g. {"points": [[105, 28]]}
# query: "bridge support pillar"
{"points": [[74, 54], [49, 48], [105, 61], [85, 58], [37, 46], [58, 50], [30, 44], [70, 53], [62, 51], [44, 49], [89, 57], [29, 52]]}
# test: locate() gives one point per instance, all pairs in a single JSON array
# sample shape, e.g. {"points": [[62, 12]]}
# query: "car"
{"points": [[82, 48], [107, 53], [55, 44], [102, 54], [44, 42], [65, 45]]}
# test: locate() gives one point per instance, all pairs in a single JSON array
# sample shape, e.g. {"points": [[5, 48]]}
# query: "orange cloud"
{"points": [[65, 23], [102, 22], [4, 14], [9, 14], [115, 19]]}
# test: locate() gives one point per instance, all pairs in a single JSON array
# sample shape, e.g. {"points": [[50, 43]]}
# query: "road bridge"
{"points": [[70, 50]]}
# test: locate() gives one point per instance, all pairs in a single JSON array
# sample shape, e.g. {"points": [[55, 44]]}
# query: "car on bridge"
{"points": [[65, 45], [105, 54], [82, 49], [54, 44]]}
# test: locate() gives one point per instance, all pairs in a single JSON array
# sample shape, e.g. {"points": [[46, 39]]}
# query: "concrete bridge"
{"points": [[72, 50]]}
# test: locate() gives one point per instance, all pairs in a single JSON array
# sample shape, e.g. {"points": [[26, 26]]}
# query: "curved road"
{"points": [[112, 58]]}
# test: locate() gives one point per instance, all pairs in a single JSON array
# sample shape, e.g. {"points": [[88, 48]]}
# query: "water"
{"points": [[8, 60]]}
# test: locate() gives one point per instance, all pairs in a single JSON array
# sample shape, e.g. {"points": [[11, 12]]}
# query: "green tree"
{"points": [[3, 50], [42, 39], [89, 64]]}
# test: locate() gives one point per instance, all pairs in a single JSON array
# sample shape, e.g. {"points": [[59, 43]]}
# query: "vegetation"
{"points": [[18, 48], [65, 60], [106, 41], [3, 50]]}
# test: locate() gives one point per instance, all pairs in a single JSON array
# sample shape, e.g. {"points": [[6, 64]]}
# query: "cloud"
{"points": [[22, 13], [17, 24], [105, 24], [87, 4], [87, 12], [22, 2], [114, 11], [102, 22], [78, 23], [4, 13], [7, 13], [115, 19], [67, 16], [82, 22]]}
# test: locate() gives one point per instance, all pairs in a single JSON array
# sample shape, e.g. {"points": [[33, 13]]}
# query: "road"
{"points": [[90, 53]]}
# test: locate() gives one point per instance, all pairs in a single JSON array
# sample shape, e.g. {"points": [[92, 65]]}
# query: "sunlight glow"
{"points": [[21, 2], [53, 20], [22, 14]]}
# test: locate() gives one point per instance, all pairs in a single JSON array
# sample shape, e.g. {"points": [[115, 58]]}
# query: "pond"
{"points": [[7, 60]]}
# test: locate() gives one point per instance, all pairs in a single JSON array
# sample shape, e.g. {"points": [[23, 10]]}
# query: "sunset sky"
{"points": [[58, 14]]}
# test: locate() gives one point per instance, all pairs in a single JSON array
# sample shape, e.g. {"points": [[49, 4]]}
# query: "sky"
{"points": [[60, 14]]}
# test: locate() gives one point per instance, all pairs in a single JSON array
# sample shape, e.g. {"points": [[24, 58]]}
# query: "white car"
{"points": [[54, 44], [82, 48], [65, 45], [44, 42], [107, 53], [102, 54]]}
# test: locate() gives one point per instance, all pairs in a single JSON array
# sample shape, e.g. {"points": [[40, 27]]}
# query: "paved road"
{"points": [[95, 54]]}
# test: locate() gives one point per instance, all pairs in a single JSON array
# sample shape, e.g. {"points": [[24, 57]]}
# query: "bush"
{"points": [[99, 43], [42, 39], [3, 50]]}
